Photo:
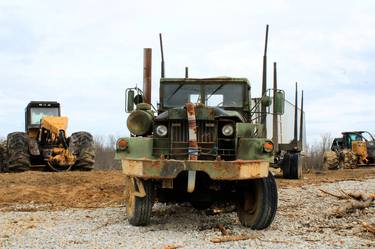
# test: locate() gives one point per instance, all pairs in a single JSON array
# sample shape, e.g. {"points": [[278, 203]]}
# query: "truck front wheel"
{"points": [[257, 202], [139, 208]]}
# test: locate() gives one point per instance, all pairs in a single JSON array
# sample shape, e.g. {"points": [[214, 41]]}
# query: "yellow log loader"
{"points": [[352, 150], [45, 144]]}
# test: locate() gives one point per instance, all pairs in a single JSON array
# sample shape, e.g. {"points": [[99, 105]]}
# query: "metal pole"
{"points": [[162, 56], [264, 86], [275, 127], [295, 114], [147, 57], [301, 123]]}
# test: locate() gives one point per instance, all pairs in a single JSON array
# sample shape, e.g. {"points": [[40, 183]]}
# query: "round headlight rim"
{"points": [[231, 130], [157, 130]]}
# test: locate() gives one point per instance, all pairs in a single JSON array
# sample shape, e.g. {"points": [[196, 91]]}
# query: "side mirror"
{"points": [[129, 100], [279, 99]]}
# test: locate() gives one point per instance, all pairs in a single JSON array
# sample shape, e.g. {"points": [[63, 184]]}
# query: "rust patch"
{"points": [[193, 144]]}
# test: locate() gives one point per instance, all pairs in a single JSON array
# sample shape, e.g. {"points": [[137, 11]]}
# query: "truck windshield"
{"points": [[222, 95], [37, 113]]}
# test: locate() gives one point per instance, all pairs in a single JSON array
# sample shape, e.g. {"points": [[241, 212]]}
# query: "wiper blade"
{"points": [[175, 91], [217, 89]]}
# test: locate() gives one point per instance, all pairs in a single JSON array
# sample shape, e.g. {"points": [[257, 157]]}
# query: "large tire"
{"points": [[257, 202], [292, 166], [330, 160], [18, 152], [347, 159], [3, 156], [81, 144], [139, 208]]}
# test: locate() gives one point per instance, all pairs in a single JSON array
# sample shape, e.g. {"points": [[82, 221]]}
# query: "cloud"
{"points": [[86, 53]]}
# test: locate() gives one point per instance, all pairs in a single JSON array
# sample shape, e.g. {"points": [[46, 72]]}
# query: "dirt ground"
{"points": [[49, 190], [45, 190]]}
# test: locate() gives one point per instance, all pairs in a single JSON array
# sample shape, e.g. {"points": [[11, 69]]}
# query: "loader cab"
{"points": [[36, 110]]}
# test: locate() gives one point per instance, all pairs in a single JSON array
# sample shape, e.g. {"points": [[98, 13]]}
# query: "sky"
{"points": [[84, 54]]}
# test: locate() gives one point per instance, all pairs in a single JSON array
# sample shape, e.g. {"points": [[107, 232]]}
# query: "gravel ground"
{"points": [[303, 220]]}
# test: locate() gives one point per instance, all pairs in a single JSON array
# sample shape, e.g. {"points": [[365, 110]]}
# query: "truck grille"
{"points": [[206, 136]]}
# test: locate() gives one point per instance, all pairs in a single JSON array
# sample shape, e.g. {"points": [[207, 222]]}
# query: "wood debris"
{"points": [[172, 246], [351, 206], [229, 238], [222, 229], [369, 227], [335, 195]]}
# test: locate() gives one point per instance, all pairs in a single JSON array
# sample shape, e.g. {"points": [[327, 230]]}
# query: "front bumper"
{"points": [[217, 170]]}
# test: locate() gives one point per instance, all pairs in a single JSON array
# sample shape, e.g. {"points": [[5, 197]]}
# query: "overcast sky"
{"points": [[84, 54]]}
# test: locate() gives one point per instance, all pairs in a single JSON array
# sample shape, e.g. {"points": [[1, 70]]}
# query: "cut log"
{"points": [[350, 207]]}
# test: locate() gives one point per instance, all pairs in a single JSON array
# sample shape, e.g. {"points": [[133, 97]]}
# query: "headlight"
{"points": [[161, 130], [227, 130]]}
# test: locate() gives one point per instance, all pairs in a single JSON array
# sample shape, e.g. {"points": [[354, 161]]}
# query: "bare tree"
{"points": [[105, 153], [314, 153]]}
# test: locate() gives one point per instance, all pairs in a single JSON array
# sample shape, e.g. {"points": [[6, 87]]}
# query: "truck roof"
{"points": [[43, 104], [347, 132], [206, 80]]}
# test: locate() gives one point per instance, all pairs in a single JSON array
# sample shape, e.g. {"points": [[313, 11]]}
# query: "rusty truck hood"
{"points": [[201, 112]]}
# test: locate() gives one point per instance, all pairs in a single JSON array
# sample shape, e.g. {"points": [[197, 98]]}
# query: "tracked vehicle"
{"points": [[45, 145], [205, 143]]}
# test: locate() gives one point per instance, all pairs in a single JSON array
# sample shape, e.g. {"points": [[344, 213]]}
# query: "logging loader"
{"points": [[45, 144], [205, 143], [354, 149]]}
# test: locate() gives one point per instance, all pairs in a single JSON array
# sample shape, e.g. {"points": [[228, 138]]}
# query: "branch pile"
{"points": [[356, 200]]}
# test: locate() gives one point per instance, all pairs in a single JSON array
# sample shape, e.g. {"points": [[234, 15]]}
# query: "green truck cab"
{"points": [[200, 145]]}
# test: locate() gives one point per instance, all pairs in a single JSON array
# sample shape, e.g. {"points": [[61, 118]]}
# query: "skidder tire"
{"points": [[257, 202], [18, 152], [139, 208], [2, 156], [330, 160], [292, 166], [81, 144]]}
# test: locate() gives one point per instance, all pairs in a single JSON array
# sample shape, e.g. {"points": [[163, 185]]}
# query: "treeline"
{"points": [[313, 156], [105, 153]]}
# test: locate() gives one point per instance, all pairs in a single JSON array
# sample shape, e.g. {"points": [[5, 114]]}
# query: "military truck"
{"points": [[203, 145], [352, 150], [45, 144]]}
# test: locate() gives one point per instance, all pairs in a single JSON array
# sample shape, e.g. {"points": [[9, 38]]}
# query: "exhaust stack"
{"points": [[275, 127], [186, 72], [264, 86], [162, 56], [147, 57]]}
